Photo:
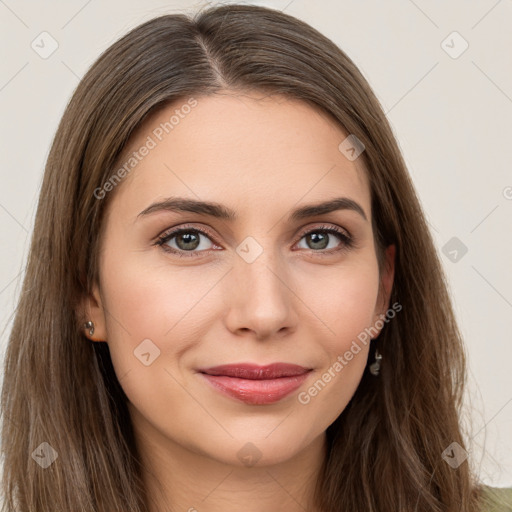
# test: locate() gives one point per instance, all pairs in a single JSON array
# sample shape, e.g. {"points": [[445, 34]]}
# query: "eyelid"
{"points": [[187, 227], [325, 227]]}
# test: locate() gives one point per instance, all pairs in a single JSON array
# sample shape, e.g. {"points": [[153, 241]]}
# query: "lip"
{"points": [[254, 384]]}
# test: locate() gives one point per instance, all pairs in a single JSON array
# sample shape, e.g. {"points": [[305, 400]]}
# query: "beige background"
{"points": [[451, 113]]}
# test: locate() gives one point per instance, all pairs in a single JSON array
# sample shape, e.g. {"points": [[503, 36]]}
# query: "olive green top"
{"points": [[496, 499]]}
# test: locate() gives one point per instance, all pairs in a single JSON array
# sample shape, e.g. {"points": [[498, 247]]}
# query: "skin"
{"points": [[262, 157]]}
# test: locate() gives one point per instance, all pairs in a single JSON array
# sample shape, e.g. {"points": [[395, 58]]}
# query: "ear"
{"points": [[386, 282], [92, 310]]}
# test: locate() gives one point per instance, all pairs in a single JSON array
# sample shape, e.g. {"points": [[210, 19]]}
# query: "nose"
{"points": [[260, 297]]}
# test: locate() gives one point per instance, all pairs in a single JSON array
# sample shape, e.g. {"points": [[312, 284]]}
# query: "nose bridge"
{"points": [[258, 263], [261, 300]]}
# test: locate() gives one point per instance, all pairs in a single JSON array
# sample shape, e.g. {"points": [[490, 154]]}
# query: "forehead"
{"points": [[245, 150]]}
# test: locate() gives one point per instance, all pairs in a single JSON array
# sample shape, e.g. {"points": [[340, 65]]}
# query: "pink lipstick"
{"points": [[256, 385]]}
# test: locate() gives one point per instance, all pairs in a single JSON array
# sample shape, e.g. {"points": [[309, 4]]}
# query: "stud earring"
{"points": [[89, 325], [375, 367]]}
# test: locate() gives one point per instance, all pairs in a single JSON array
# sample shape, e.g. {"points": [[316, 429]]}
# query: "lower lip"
{"points": [[256, 392]]}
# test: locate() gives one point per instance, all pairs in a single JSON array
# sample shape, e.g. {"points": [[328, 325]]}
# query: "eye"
{"points": [[187, 239], [184, 240], [319, 239]]}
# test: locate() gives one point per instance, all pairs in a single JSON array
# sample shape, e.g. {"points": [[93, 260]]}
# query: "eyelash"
{"points": [[347, 241]]}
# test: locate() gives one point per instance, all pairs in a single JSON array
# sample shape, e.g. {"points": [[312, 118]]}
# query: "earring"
{"points": [[89, 325], [375, 367]]}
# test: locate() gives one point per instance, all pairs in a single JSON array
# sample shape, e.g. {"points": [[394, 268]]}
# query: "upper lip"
{"points": [[256, 372]]}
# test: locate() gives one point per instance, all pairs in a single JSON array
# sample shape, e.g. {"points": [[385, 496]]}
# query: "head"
{"points": [[258, 113]]}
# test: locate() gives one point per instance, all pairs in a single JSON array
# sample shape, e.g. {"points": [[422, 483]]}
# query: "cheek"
{"points": [[344, 300], [346, 305], [152, 320], [147, 294], [152, 303]]}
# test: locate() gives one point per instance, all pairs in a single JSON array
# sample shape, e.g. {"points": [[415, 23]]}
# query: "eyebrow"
{"points": [[181, 204]]}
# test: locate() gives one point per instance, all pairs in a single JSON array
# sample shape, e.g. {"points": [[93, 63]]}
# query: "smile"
{"points": [[256, 385]]}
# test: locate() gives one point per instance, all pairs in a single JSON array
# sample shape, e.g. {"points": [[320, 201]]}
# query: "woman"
{"points": [[232, 299]]}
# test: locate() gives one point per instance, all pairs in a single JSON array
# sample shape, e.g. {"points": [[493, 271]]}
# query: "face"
{"points": [[256, 286]]}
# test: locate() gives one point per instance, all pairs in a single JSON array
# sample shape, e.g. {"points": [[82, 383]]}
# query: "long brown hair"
{"points": [[385, 449]]}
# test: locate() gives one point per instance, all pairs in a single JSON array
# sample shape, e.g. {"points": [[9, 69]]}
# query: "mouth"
{"points": [[254, 384]]}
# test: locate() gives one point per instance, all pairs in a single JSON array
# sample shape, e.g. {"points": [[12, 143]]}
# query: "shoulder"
{"points": [[496, 499]]}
